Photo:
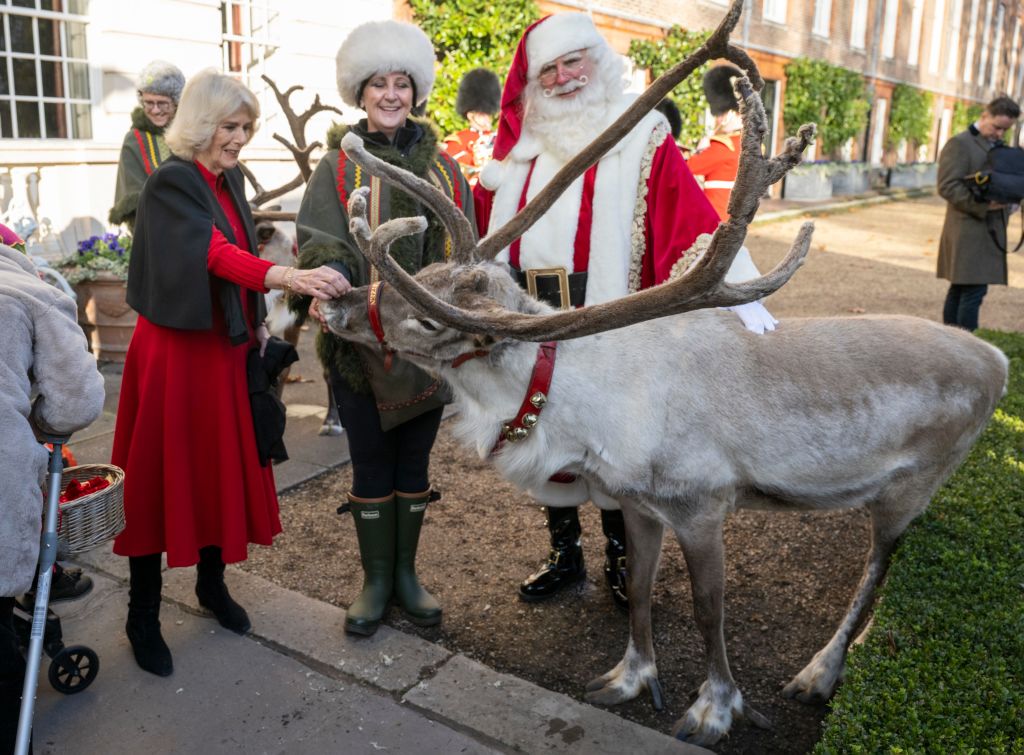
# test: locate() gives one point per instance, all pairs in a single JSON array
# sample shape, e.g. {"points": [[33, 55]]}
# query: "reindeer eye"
{"points": [[428, 325]]}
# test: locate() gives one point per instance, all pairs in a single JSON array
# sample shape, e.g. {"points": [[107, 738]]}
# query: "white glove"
{"points": [[754, 316]]}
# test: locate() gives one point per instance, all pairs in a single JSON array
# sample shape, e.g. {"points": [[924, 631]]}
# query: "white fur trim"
{"points": [[557, 35], [492, 174], [382, 47]]}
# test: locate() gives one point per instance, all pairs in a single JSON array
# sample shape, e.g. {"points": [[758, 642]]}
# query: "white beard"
{"points": [[566, 126]]}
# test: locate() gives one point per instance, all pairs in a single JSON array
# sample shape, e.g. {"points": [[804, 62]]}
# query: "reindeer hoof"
{"points": [[657, 698], [331, 428], [757, 718]]}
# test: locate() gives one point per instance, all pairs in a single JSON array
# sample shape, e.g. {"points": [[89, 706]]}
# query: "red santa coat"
{"points": [[718, 164], [645, 212]]}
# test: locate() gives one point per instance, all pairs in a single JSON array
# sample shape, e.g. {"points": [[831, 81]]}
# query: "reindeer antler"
{"points": [[301, 151], [702, 286]]}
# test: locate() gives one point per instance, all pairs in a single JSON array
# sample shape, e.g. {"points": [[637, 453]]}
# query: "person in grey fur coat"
{"points": [[50, 381]]}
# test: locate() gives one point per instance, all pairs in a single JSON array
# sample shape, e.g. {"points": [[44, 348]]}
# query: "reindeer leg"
{"points": [[719, 699], [637, 669], [818, 679], [332, 422]]}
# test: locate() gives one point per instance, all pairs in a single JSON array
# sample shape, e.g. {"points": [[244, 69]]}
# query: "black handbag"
{"points": [[268, 411], [1001, 180]]}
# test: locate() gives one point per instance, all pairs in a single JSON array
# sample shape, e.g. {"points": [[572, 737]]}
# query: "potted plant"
{"points": [[913, 175], [99, 272], [851, 178], [808, 182]]}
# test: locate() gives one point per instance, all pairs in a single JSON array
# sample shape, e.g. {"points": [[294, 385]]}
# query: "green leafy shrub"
{"points": [[943, 667], [964, 115], [911, 117], [469, 34], [658, 56], [833, 97]]}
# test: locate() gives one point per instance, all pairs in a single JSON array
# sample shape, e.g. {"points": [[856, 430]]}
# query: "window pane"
{"points": [[3, 37], [56, 127], [74, 35], [28, 120], [49, 44], [25, 78], [5, 87], [24, 3], [81, 123], [21, 34], [53, 78], [6, 126], [78, 7], [78, 80]]}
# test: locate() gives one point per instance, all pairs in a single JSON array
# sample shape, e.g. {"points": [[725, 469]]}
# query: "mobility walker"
{"points": [[69, 528]]}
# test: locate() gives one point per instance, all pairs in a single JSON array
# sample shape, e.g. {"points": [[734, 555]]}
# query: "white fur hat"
{"points": [[558, 35], [382, 47]]}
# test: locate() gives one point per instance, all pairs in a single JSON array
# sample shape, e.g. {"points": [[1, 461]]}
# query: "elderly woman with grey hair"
{"points": [[159, 88], [196, 487]]}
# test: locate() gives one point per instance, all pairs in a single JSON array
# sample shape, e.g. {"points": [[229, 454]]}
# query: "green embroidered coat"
{"points": [[142, 152], [324, 238]]}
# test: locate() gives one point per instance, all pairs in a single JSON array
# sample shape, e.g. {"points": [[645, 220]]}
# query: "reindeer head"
{"points": [[702, 286], [480, 287]]}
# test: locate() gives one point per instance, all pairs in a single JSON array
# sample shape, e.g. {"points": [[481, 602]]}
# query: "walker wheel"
{"points": [[73, 669]]}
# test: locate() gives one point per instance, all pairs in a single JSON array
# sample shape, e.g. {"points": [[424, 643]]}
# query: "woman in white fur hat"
{"points": [[390, 412]]}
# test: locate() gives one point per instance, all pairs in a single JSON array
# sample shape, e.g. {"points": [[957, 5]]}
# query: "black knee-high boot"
{"points": [[143, 627], [213, 593], [615, 556], [564, 567]]}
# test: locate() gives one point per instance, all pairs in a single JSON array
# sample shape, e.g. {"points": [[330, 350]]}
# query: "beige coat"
{"points": [[42, 353], [967, 253]]}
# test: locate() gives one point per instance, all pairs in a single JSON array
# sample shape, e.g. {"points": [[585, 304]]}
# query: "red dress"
{"points": [[184, 432]]}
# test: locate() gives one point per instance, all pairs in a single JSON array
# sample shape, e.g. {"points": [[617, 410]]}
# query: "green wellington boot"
{"points": [[375, 529], [419, 605]]}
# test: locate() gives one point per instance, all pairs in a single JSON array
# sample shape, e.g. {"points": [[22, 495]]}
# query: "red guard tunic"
{"points": [[718, 164], [471, 149], [184, 432]]}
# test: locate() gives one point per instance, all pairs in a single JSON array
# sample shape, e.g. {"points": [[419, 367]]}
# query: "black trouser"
{"points": [[963, 302], [12, 677], [383, 462]]}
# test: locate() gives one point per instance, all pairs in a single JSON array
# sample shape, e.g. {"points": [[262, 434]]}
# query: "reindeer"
{"points": [[672, 408]]}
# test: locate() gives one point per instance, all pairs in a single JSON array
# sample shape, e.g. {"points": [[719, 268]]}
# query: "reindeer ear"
{"points": [[472, 281]]}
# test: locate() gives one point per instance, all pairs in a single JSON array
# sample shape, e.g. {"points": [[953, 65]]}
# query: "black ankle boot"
{"points": [[564, 567], [615, 556], [213, 593], [143, 626]]}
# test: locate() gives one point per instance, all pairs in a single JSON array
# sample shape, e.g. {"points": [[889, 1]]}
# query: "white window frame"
{"points": [[916, 22], [997, 48], [986, 41], [774, 11], [972, 31], [889, 29], [1014, 57], [822, 18], [859, 24], [63, 58], [881, 114], [253, 42], [955, 24]]}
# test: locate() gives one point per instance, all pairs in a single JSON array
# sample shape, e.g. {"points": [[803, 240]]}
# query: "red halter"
{"points": [[373, 312]]}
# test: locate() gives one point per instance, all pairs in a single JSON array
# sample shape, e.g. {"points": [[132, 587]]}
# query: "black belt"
{"points": [[554, 286]]}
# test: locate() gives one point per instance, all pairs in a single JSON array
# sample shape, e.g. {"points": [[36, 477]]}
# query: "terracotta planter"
{"points": [[105, 317]]}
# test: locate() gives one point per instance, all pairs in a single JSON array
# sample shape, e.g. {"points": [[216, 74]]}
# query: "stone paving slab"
{"points": [[228, 694], [528, 718]]}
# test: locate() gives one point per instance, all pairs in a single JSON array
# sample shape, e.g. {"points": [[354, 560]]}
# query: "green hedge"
{"points": [[943, 668]]}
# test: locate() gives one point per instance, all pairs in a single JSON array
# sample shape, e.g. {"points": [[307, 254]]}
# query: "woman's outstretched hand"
{"points": [[319, 282]]}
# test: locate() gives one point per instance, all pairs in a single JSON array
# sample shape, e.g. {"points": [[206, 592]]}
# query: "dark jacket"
{"points": [[168, 280], [967, 253]]}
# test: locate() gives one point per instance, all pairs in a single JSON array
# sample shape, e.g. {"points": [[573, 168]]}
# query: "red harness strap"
{"points": [[373, 313], [519, 427]]}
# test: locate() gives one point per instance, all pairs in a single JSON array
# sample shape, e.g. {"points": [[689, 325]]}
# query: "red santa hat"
{"points": [[543, 41]]}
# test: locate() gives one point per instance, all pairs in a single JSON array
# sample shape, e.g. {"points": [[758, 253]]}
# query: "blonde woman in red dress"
{"points": [[194, 485]]}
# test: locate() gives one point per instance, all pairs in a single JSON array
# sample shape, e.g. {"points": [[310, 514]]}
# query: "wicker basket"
{"points": [[93, 519]]}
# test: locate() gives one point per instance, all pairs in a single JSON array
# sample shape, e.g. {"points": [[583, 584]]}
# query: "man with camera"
{"points": [[972, 250]]}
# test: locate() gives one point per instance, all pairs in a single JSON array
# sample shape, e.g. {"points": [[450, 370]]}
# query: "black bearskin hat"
{"points": [[718, 89], [479, 92], [675, 121]]}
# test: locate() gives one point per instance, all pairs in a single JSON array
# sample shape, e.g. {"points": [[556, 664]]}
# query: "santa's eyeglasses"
{"points": [[569, 64]]}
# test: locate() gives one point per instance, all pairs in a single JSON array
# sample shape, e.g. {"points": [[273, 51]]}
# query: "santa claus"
{"points": [[625, 225]]}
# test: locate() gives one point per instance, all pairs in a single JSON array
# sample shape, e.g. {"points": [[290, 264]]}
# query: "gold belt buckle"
{"points": [[563, 283]]}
